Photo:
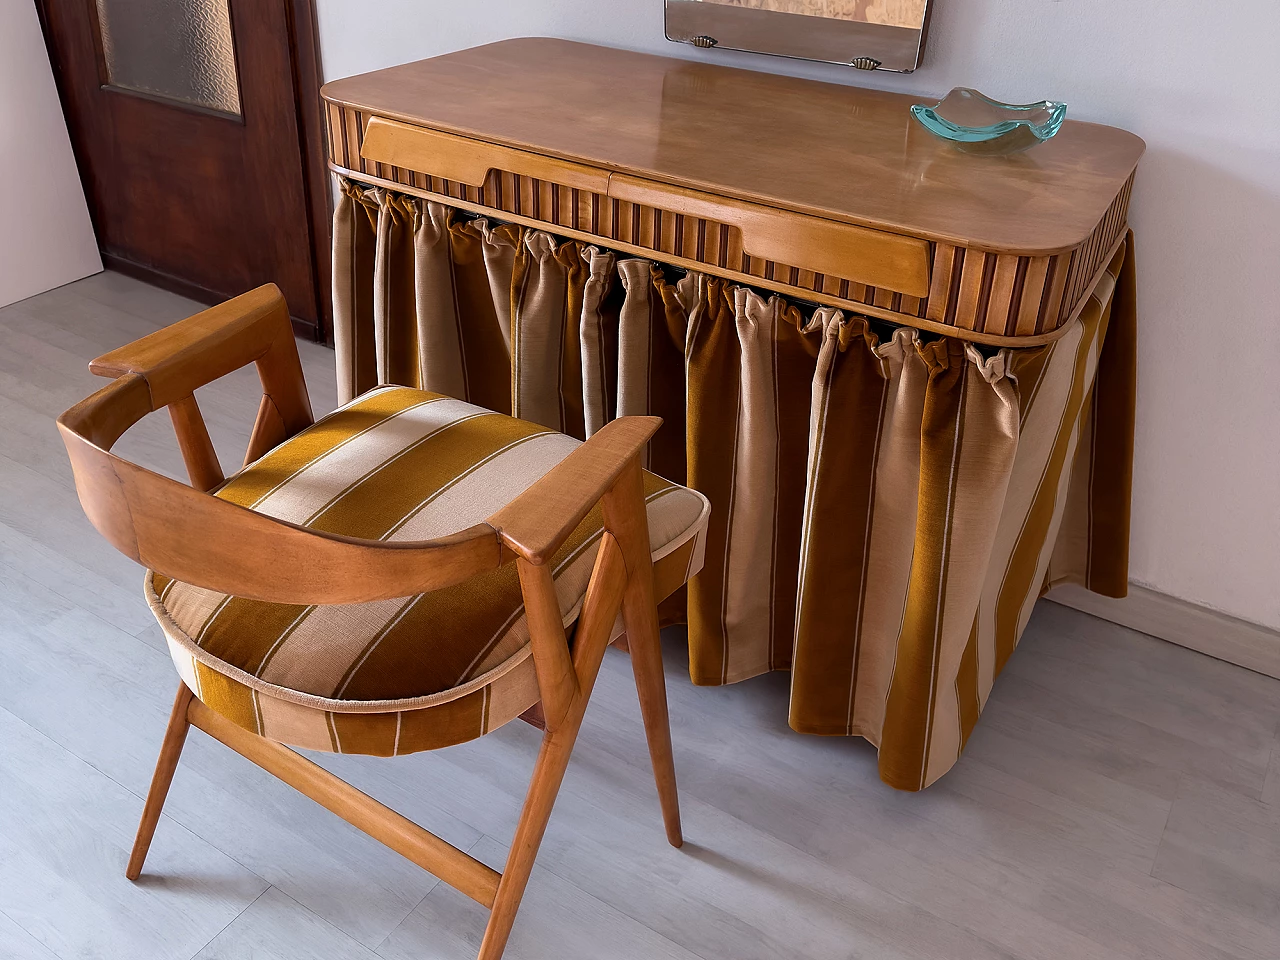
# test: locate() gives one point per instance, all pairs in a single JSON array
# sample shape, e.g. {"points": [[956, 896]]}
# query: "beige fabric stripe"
{"points": [[829, 320], [344, 290], [1071, 553], [320, 649], [511, 445], [1038, 433], [331, 436], [294, 724], [393, 293], [511, 696], [749, 552], [317, 484], [1061, 478], [440, 352], [499, 260], [595, 362], [635, 338], [489, 486], [375, 504], [354, 243], [185, 663], [538, 328], [893, 525], [983, 467], [635, 342]]}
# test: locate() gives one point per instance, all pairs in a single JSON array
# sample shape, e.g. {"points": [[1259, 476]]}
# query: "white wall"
{"points": [[46, 239], [1199, 82]]}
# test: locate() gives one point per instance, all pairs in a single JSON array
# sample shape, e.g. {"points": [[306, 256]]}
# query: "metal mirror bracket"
{"points": [[730, 25]]}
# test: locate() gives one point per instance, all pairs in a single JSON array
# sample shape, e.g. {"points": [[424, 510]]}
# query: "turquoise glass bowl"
{"points": [[978, 124]]}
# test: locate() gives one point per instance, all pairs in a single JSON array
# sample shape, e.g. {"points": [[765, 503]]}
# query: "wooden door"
{"points": [[196, 129]]}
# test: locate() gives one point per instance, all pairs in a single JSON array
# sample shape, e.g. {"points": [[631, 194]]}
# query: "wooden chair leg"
{"points": [[175, 736], [641, 619], [624, 512], [599, 612], [548, 773]]}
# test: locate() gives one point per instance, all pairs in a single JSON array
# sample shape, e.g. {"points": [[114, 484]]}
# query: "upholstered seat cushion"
{"points": [[397, 464]]}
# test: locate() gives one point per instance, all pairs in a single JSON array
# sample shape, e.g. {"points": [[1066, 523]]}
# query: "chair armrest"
{"points": [[536, 524], [176, 361], [188, 354]]}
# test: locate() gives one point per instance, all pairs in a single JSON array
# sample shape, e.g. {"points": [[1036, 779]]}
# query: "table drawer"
{"points": [[467, 161], [870, 257]]}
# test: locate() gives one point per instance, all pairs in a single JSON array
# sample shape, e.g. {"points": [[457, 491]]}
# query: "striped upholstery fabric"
{"points": [[397, 676], [943, 580], [887, 504]]}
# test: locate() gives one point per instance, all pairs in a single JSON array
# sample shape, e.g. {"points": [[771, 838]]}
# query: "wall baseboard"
{"points": [[1186, 624]]}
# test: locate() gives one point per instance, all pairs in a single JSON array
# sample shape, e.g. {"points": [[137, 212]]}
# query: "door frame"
{"points": [[304, 56]]}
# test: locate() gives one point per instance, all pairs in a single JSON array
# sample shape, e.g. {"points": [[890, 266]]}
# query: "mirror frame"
{"points": [[867, 46]]}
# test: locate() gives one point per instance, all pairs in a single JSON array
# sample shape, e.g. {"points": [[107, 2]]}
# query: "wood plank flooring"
{"points": [[1120, 797]]}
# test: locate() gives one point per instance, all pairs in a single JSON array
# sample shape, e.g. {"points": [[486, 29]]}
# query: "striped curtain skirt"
{"points": [[887, 505]]}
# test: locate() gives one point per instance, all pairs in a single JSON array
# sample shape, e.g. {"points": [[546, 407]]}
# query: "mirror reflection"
{"points": [[891, 13], [867, 34]]}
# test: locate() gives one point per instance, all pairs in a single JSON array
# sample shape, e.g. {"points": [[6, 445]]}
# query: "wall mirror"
{"points": [[868, 34]]}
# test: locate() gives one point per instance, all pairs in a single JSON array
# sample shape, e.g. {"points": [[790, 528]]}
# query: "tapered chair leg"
{"points": [[548, 773], [624, 512], [599, 612], [641, 622], [170, 750]]}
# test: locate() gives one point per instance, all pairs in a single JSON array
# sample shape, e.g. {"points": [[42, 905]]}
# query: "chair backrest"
{"points": [[186, 533]]}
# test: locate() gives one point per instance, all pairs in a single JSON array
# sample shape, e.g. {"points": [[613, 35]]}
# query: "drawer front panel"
{"points": [[873, 257], [467, 161]]}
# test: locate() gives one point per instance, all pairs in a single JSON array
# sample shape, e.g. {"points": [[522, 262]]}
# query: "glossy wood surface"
{"points": [[830, 150], [823, 245]]}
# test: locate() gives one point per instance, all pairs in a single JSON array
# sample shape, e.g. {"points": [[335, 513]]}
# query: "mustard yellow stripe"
{"points": [[488, 606], [312, 444], [377, 502]]}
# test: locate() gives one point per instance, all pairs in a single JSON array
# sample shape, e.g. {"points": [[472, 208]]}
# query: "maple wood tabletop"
{"points": [[831, 150]]}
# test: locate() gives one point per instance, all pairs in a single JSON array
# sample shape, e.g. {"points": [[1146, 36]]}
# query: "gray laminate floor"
{"points": [[1120, 797]]}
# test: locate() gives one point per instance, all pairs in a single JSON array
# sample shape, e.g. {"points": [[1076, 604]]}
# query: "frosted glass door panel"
{"points": [[176, 49]]}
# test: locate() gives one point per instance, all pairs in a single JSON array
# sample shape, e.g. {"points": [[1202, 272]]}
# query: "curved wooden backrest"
{"points": [[186, 533], [189, 534]]}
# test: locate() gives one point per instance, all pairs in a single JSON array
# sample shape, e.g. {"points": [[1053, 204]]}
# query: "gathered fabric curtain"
{"points": [[887, 505]]}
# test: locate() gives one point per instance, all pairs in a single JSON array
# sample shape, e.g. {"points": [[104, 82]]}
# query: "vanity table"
{"points": [[902, 373]]}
